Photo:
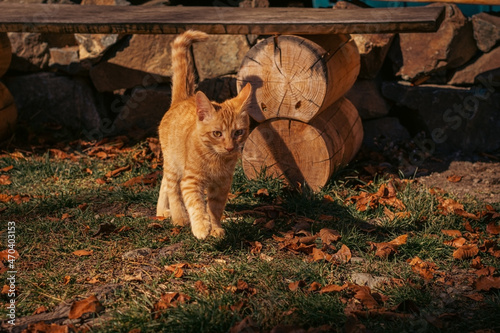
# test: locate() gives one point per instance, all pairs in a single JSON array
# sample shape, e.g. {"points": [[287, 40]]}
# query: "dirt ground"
{"points": [[468, 179]]}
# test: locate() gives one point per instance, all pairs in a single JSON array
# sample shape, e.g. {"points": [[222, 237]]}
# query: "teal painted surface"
{"points": [[468, 10]]}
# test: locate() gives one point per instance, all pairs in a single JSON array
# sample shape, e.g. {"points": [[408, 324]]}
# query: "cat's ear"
{"points": [[243, 95], [203, 106]]}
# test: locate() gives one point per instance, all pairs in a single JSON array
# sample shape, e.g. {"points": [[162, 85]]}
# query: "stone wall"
{"points": [[441, 87]]}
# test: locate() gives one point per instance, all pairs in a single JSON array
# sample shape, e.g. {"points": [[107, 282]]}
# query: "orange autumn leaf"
{"points": [[201, 287], [5, 180], [332, 288], [452, 233], [457, 242], [66, 279], [329, 235], [386, 249], [47, 328], [117, 171], [454, 178], [424, 269], [263, 192], [343, 255], [88, 305], [177, 269], [465, 252], [294, 286], [7, 169], [169, 300], [315, 286], [8, 254], [40, 309], [493, 228], [82, 253], [364, 295], [256, 247], [487, 282], [318, 255]]}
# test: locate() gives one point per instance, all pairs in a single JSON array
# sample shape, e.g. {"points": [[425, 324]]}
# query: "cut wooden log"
{"points": [[8, 112], [297, 78], [305, 154], [5, 53]]}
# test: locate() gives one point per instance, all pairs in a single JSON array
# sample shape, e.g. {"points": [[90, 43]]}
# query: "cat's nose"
{"points": [[229, 149]]}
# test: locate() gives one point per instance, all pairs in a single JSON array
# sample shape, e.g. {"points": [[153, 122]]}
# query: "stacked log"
{"points": [[8, 110], [307, 128]]}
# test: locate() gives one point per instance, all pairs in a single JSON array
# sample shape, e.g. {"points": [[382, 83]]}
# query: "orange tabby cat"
{"points": [[201, 142]]}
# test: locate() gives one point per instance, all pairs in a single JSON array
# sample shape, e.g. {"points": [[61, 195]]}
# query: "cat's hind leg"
{"points": [[162, 207], [177, 208]]}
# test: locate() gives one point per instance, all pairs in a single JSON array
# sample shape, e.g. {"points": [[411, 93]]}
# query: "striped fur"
{"points": [[201, 142]]}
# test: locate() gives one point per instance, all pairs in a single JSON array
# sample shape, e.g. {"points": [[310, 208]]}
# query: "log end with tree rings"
{"points": [[295, 77], [304, 154]]}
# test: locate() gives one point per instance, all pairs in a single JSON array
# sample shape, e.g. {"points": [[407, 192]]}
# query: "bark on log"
{"points": [[297, 78], [301, 153], [8, 112], [5, 53]]}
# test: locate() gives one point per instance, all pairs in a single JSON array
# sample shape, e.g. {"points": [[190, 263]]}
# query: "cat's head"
{"points": [[224, 127]]}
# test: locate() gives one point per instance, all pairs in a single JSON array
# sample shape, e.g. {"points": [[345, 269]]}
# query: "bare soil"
{"points": [[480, 180]]}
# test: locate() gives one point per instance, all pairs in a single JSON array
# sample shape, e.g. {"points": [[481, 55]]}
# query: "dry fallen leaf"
{"points": [[493, 228], [487, 282], [66, 279], [79, 308], [7, 169], [177, 269], [263, 192], [454, 178], [5, 180], [457, 242], [46, 328], [364, 295], [386, 249], [452, 233], [294, 286], [168, 300], [256, 247], [201, 287], [315, 286], [424, 269], [117, 171], [82, 253], [332, 288], [329, 235], [466, 252], [343, 255]]}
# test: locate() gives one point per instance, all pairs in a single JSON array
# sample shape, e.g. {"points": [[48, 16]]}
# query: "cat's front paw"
{"points": [[218, 232], [163, 213], [200, 231]]}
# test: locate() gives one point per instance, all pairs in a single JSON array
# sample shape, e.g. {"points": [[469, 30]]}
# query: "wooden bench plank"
{"points": [[468, 2], [214, 20]]}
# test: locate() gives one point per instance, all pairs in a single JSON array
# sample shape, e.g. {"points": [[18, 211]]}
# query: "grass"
{"points": [[62, 205]]}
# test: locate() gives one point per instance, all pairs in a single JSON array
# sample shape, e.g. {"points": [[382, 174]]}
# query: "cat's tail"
{"points": [[183, 79]]}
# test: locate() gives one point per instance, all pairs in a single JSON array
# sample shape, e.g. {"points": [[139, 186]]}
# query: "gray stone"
{"points": [[387, 128], [372, 48], [137, 254], [142, 110], [365, 95], [50, 98], [93, 46], [365, 279], [65, 59], [220, 55], [485, 63], [456, 119], [131, 66], [30, 52], [486, 30], [451, 46]]}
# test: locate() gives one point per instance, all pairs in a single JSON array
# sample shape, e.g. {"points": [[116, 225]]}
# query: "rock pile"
{"points": [[445, 84]]}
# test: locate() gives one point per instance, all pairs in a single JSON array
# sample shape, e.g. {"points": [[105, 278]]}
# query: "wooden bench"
{"points": [[322, 70], [214, 20]]}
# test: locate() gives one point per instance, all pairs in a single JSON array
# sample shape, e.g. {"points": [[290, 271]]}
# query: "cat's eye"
{"points": [[239, 132], [217, 134]]}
